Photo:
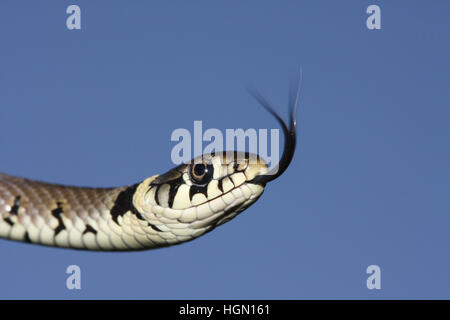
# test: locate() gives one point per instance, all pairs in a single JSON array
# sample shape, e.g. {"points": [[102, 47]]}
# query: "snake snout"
{"points": [[256, 168]]}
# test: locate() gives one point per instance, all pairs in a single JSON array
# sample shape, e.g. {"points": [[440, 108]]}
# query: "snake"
{"points": [[166, 209]]}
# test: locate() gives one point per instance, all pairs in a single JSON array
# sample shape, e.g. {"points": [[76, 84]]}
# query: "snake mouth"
{"points": [[289, 132], [242, 200]]}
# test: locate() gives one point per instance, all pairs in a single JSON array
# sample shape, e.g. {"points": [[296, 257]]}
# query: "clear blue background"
{"points": [[369, 183]]}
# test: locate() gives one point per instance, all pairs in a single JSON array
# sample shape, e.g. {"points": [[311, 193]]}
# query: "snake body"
{"points": [[125, 218], [180, 205]]}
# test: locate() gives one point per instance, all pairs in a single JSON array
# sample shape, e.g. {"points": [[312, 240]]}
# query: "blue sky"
{"points": [[369, 183]]}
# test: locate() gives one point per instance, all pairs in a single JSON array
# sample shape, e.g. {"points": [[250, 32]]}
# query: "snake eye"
{"points": [[201, 173]]}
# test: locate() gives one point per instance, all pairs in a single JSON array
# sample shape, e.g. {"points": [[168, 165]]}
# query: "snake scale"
{"points": [[180, 205]]}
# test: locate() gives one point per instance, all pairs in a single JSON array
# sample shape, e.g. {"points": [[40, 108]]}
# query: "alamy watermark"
{"points": [[373, 21], [73, 21], [374, 280], [189, 146], [73, 281]]}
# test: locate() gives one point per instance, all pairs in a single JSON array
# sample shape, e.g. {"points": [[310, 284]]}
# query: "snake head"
{"points": [[195, 197]]}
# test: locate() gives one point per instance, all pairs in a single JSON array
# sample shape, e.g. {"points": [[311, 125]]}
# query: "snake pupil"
{"points": [[199, 169]]}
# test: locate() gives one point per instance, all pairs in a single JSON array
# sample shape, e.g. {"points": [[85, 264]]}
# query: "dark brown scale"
{"points": [[8, 221], [194, 189], [173, 192], [219, 185], [156, 194], [89, 228], [124, 203], [27, 238], [57, 214], [16, 206]]}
